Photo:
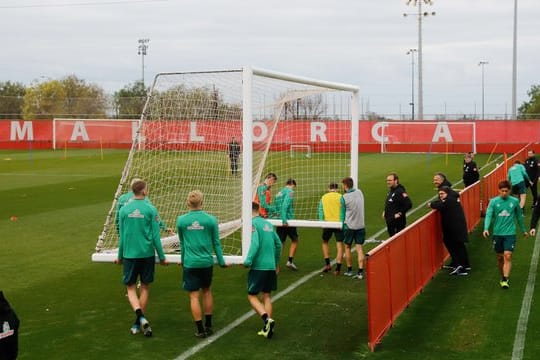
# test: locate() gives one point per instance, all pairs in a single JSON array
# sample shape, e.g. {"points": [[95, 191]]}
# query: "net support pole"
{"points": [[355, 130], [247, 158]]}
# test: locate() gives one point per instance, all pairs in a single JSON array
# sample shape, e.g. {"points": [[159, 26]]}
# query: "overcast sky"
{"points": [[359, 42]]}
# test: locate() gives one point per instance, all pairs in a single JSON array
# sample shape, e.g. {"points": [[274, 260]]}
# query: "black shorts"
{"points": [[261, 281], [284, 231], [135, 268], [194, 279], [327, 234]]}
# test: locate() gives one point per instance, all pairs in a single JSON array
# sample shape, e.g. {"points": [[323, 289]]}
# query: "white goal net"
{"points": [[184, 142]]}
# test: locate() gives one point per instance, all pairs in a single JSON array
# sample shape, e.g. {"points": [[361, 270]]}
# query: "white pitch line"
{"points": [[244, 317], [521, 330], [193, 350]]}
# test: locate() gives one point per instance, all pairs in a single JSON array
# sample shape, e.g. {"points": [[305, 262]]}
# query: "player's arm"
{"points": [[519, 215], [157, 237], [121, 228], [487, 220], [320, 210], [534, 220], [253, 247], [277, 247], [217, 243]]}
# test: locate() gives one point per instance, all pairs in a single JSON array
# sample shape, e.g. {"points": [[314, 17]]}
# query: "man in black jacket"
{"points": [[396, 205], [470, 170], [531, 165], [454, 228], [9, 330]]}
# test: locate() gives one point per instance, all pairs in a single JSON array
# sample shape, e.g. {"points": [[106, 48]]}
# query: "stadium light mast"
{"points": [[411, 52], [143, 46], [420, 15], [482, 64], [514, 64]]}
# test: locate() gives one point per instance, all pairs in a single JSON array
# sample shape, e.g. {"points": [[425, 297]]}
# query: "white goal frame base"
{"points": [[307, 148]]}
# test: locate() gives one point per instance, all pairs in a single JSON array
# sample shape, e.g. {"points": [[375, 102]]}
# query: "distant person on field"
{"points": [[396, 205], [284, 206], [198, 233], [354, 226], [454, 228], [263, 196], [263, 261], [504, 211], [517, 175], [126, 198], [531, 165], [330, 210], [470, 170], [139, 241], [234, 154]]}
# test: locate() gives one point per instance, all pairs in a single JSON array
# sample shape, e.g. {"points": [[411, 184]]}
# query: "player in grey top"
{"points": [[354, 227]]}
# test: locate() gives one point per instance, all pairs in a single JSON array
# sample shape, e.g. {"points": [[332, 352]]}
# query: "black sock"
{"points": [[200, 328], [264, 317], [208, 320], [349, 268], [504, 278], [327, 261], [360, 271], [290, 259], [138, 315], [338, 267]]}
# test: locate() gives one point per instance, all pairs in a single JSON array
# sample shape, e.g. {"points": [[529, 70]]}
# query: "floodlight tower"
{"points": [[514, 64], [482, 64], [143, 46], [420, 15], [411, 52]]}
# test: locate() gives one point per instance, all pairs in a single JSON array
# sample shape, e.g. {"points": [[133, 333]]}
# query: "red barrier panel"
{"points": [[470, 201], [398, 269]]}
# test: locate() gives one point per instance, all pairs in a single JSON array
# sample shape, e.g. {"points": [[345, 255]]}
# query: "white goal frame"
{"points": [[384, 124], [248, 187], [299, 146]]}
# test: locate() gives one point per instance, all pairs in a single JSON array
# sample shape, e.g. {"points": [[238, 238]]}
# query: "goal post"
{"points": [[182, 144], [427, 136]]}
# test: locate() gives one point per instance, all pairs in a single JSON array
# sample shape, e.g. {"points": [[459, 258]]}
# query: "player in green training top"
{"points": [[127, 197], [263, 261], [504, 210], [139, 240], [199, 238], [517, 175], [284, 204]]}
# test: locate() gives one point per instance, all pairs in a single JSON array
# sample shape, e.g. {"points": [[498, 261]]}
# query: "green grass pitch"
{"points": [[71, 308]]}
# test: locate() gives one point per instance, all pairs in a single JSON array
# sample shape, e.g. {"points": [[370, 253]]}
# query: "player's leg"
{"points": [[360, 238], [144, 293]]}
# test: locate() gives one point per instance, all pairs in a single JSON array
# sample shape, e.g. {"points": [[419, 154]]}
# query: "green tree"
{"points": [[83, 100], [129, 101], [531, 109], [68, 97], [44, 100], [11, 99]]}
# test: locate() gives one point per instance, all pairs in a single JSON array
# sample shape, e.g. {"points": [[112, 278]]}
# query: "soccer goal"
{"points": [[181, 144], [427, 137], [300, 151]]}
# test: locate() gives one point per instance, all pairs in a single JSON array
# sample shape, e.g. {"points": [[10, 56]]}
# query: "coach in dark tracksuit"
{"points": [[454, 228], [396, 205], [9, 330], [470, 171], [531, 165]]}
